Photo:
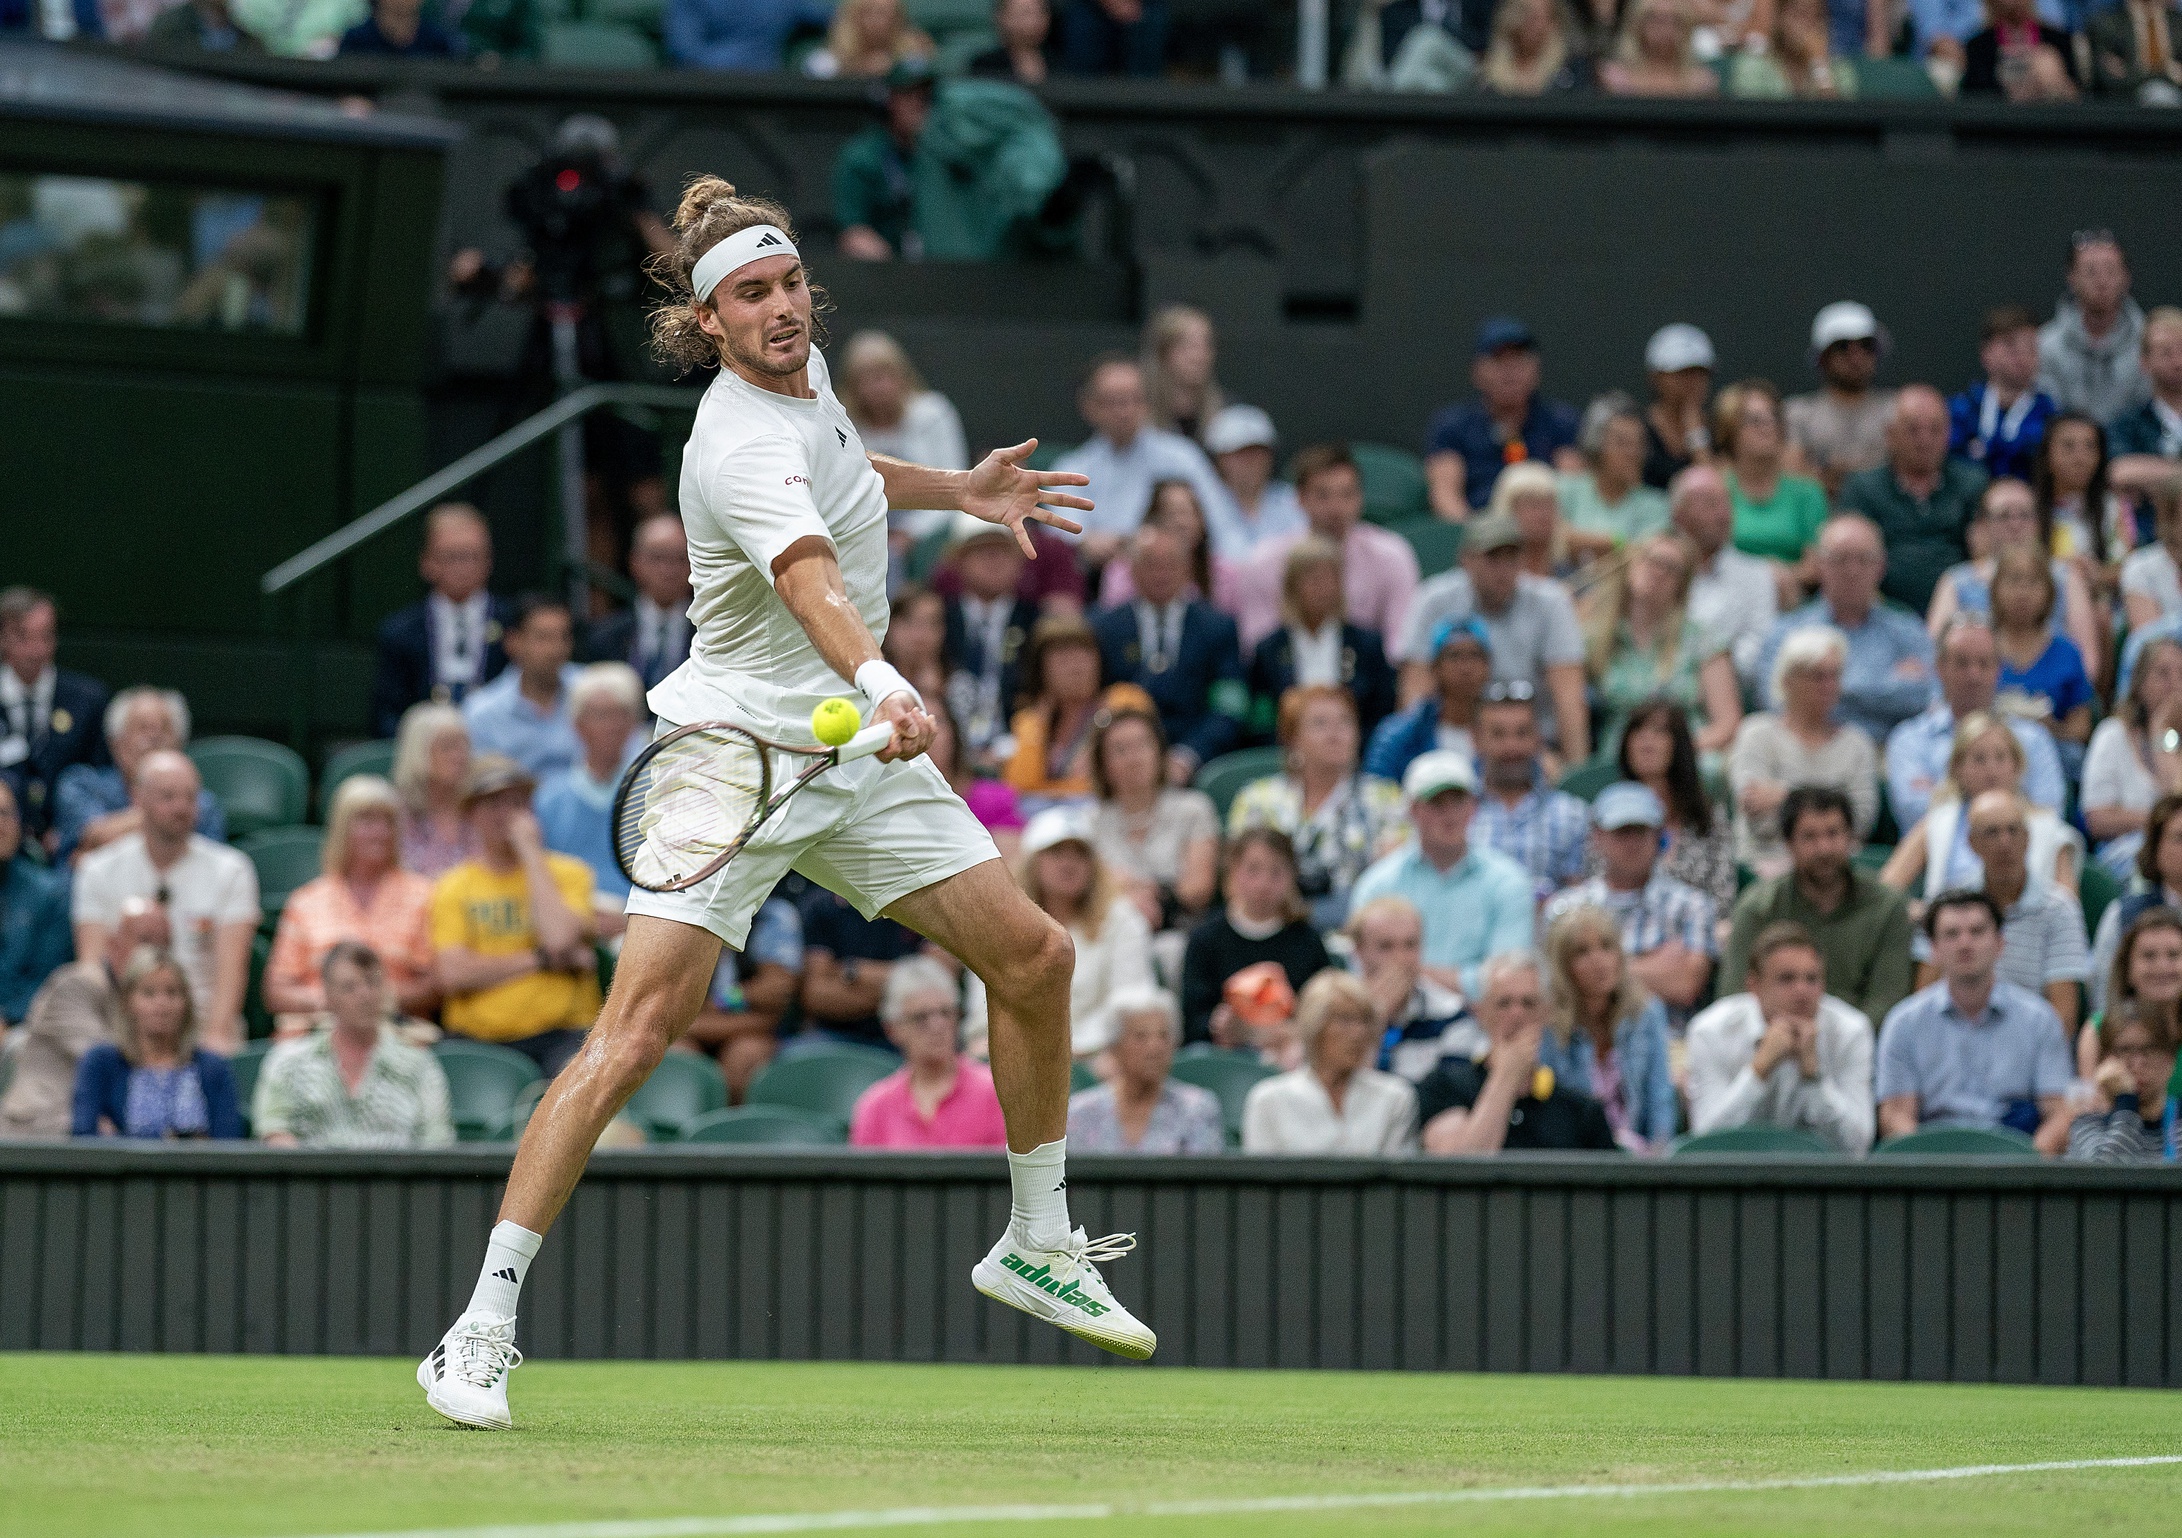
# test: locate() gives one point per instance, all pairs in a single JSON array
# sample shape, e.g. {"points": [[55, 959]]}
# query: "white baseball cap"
{"points": [[1846, 321], [1430, 773], [1056, 825], [1677, 347], [1239, 427]]}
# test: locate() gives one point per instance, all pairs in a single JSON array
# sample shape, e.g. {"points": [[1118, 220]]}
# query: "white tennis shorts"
{"points": [[872, 832]]}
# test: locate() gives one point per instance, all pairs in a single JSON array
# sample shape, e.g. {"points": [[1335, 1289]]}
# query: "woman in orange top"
{"points": [[364, 895], [1062, 703]]}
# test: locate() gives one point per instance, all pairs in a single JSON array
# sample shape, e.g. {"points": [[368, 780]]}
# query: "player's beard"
{"points": [[757, 360]]}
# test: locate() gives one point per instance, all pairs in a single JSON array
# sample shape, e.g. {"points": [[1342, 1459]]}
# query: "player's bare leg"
{"points": [[659, 985], [1042, 1264]]}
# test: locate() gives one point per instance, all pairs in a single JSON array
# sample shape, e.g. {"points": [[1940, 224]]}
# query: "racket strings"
{"points": [[688, 805]]}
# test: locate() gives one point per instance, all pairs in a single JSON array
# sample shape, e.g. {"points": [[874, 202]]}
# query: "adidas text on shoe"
{"points": [[465, 1377], [1063, 1287]]}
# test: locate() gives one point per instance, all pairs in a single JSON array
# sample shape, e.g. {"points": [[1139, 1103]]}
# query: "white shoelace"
{"points": [[1082, 1253], [484, 1353]]}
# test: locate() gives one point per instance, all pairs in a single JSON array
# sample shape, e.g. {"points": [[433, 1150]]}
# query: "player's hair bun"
{"points": [[699, 198]]}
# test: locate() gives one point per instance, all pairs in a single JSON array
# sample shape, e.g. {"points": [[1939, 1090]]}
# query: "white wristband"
{"points": [[879, 678]]}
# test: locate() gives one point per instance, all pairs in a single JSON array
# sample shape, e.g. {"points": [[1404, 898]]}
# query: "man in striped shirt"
{"points": [[357, 1085]]}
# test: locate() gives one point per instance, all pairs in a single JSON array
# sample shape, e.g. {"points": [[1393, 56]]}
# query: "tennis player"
{"points": [[786, 516]]}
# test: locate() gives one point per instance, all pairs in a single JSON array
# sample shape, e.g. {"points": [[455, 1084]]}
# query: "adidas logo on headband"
{"points": [[737, 251], [770, 239]]}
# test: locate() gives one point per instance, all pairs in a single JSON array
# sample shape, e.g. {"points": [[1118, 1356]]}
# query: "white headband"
{"points": [[739, 250]]}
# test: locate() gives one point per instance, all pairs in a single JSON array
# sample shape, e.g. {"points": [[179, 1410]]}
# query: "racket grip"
{"points": [[865, 743]]}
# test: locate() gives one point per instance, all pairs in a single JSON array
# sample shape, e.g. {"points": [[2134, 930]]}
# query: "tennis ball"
{"points": [[835, 721]]}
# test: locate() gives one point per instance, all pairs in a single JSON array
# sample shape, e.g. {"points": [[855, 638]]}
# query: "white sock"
{"points": [[507, 1261], [1040, 1179]]}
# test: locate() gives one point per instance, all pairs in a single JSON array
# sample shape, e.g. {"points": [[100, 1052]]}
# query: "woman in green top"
{"points": [[1800, 61], [1777, 515], [1609, 505], [1640, 643]]}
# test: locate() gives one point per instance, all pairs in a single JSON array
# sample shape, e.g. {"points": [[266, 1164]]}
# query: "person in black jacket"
{"points": [[442, 648], [1507, 1100], [988, 625], [1179, 650], [1264, 920], [50, 718], [2019, 57], [653, 634], [1315, 645]]}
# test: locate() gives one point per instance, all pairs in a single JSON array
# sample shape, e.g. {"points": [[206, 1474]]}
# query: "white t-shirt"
{"points": [[2114, 774], [762, 471], [2151, 572], [209, 886]]}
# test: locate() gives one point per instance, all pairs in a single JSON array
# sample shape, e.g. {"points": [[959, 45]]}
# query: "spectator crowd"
{"points": [[1753, 770], [2020, 50]]}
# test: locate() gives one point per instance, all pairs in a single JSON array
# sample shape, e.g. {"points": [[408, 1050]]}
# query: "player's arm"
{"points": [[808, 579], [999, 490]]}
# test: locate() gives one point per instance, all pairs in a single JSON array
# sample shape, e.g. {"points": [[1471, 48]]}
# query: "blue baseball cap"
{"points": [[1502, 331], [1459, 627], [1627, 804]]}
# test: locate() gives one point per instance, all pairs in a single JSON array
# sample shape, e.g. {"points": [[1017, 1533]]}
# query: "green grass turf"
{"points": [[226, 1447]]}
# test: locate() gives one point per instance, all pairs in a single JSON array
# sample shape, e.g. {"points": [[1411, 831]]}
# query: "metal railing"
{"points": [[564, 418]]}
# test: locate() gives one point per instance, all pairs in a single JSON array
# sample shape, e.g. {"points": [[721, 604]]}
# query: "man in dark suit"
{"points": [[653, 634], [1181, 651], [447, 645], [987, 624], [50, 718], [1315, 645]]}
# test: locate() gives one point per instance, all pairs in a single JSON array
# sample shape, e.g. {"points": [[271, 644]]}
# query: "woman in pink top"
{"points": [[939, 1098], [364, 896]]}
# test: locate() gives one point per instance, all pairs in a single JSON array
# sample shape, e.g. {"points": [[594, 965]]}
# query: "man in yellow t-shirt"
{"points": [[512, 928]]}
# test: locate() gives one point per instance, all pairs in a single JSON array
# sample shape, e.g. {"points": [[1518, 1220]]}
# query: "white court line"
{"points": [[936, 1516]]}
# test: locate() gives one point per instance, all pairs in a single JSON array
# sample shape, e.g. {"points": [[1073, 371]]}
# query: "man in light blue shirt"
{"points": [[524, 713], [1971, 1050], [1126, 456], [1888, 677], [1918, 749], [1476, 902]]}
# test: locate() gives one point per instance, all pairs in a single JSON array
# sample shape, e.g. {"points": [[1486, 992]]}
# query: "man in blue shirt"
{"points": [[35, 937], [1469, 445], [1667, 926], [1889, 674], [1520, 813], [1917, 752], [1971, 1050], [524, 713], [737, 34], [1999, 422], [1476, 903]]}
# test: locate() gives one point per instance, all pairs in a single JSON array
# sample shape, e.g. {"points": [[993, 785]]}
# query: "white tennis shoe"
{"points": [[466, 1376], [1062, 1286]]}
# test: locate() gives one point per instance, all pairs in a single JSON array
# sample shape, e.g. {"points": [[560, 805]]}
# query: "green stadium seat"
{"points": [[682, 1088], [640, 15], [1394, 485], [1437, 542], [257, 1020], [483, 1083], [2098, 888], [258, 784], [765, 1124], [942, 16], [1751, 1140], [526, 1103], [1959, 1143], [597, 45], [1229, 1075], [286, 858], [957, 49], [1081, 1078], [824, 1082], [1047, 454], [1893, 80], [1872, 857], [1586, 780], [244, 1065], [925, 555], [357, 758], [1224, 778]]}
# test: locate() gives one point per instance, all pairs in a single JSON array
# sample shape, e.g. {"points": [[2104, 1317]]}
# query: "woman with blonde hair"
{"points": [[1530, 53], [1062, 703], [898, 415], [868, 38], [1336, 1102], [1605, 1036], [1317, 646], [1641, 644], [1180, 356], [1654, 55], [431, 757], [1530, 493], [364, 895], [153, 1080], [1063, 875], [1985, 756], [1799, 60]]}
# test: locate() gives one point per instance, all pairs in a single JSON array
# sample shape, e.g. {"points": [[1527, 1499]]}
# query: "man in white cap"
{"points": [[1666, 925], [1241, 441], [1840, 428], [1476, 901], [1680, 361]]}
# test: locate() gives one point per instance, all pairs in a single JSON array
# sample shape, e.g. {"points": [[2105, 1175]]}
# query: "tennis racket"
{"points": [[694, 797]]}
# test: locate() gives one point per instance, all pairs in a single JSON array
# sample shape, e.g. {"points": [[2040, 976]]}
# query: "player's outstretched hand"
{"points": [[1001, 490], [913, 729]]}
